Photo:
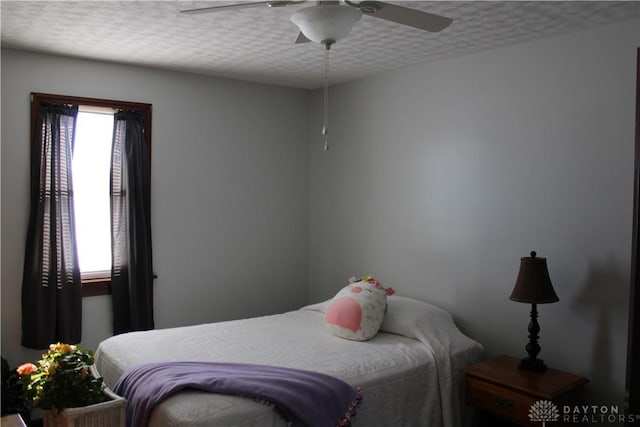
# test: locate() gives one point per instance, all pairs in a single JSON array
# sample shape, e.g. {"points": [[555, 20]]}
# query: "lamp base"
{"points": [[532, 364]]}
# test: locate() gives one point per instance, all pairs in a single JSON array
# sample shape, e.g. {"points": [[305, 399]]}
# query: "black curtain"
{"points": [[51, 287], [132, 270]]}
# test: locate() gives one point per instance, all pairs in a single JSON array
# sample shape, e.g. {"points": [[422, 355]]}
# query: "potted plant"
{"points": [[65, 386]]}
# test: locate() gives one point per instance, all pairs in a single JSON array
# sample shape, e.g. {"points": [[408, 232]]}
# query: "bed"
{"points": [[409, 372]]}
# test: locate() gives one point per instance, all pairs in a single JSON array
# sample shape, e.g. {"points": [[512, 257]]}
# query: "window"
{"points": [[52, 283], [90, 172], [93, 139]]}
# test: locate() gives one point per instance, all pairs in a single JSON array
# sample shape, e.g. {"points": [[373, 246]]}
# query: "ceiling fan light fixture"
{"points": [[326, 23]]}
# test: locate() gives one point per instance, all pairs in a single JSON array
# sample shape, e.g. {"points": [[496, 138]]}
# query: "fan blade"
{"points": [[271, 3], [302, 38], [403, 15]]}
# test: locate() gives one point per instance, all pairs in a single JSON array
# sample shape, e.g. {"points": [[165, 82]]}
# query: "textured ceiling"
{"points": [[257, 44]]}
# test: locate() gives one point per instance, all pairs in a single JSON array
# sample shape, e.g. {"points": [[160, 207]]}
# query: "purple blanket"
{"points": [[303, 398]]}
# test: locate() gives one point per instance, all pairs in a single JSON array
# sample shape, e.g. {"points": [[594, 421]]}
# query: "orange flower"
{"points": [[63, 348], [26, 369]]}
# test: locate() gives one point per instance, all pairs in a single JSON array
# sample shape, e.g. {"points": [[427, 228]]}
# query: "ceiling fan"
{"points": [[329, 21]]}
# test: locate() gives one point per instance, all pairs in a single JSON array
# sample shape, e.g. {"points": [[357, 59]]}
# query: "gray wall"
{"points": [[229, 191], [440, 177]]}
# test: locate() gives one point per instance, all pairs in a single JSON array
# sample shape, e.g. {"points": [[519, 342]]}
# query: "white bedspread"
{"points": [[401, 379]]}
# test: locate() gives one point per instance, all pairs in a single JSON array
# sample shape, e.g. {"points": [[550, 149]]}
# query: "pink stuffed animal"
{"points": [[357, 310]]}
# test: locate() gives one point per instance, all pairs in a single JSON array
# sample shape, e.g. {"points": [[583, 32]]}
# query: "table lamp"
{"points": [[533, 286]]}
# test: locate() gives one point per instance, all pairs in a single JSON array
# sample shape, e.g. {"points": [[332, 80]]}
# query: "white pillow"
{"points": [[406, 316], [357, 310]]}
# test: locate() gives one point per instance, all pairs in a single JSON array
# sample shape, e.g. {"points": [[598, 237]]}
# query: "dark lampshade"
{"points": [[533, 284]]}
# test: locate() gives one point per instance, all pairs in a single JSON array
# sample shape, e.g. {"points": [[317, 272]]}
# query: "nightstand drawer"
{"points": [[499, 388], [500, 401]]}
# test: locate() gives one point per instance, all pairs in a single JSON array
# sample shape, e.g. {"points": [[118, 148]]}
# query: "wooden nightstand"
{"points": [[498, 387]]}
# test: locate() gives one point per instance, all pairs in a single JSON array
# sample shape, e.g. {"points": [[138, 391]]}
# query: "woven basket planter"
{"points": [[106, 414]]}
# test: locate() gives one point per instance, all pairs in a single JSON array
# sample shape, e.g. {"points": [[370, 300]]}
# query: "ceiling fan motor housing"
{"points": [[326, 24]]}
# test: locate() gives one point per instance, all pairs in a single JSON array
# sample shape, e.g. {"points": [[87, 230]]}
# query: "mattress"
{"points": [[409, 372]]}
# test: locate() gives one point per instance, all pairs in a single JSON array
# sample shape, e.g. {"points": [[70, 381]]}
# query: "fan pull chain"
{"points": [[325, 126]]}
